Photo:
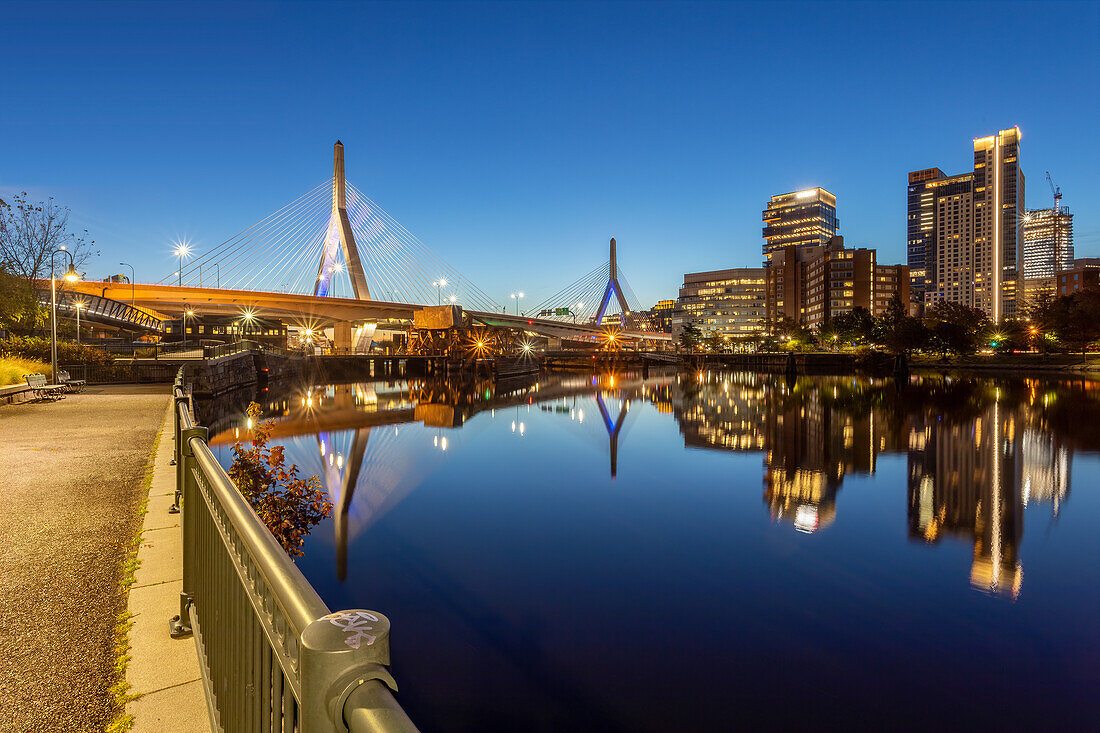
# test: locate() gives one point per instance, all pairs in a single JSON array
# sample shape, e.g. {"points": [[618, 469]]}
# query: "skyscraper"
{"points": [[964, 239], [1048, 242], [800, 218]]}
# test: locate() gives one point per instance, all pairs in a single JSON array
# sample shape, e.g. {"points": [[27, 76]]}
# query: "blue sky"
{"points": [[514, 139]]}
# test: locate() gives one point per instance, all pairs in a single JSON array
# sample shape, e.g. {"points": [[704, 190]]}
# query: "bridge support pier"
{"points": [[342, 337]]}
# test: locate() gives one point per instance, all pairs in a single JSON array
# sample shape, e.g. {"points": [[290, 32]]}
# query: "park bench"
{"points": [[70, 384], [43, 391]]}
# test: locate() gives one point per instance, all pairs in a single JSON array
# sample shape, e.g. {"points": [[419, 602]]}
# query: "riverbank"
{"points": [[1020, 365], [73, 478]]}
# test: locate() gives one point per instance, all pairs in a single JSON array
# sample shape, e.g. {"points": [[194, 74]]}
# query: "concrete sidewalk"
{"points": [[72, 476], [163, 672]]}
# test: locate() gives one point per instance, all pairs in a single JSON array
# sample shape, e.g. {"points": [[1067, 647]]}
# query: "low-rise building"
{"points": [[729, 302], [811, 285], [1068, 282], [661, 315]]}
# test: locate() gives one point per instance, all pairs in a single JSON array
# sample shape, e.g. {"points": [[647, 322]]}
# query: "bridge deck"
{"points": [[316, 311]]}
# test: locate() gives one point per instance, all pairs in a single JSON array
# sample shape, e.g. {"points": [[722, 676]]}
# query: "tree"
{"points": [[290, 506], [1008, 336], [714, 342], [956, 328], [1072, 321], [898, 331], [30, 233], [828, 334], [1078, 317], [792, 333], [690, 336], [856, 326]]}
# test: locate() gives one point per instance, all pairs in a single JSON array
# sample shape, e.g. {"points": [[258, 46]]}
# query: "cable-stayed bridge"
{"points": [[334, 258]]}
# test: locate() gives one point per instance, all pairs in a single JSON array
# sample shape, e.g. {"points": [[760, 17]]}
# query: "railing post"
{"points": [[339, 652], [177, 399], [180, 626]]}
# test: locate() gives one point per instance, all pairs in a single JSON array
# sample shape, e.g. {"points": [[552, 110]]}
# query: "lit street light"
{"points": [[517, 297], [439, 285], [186, 314], [79, 305], [71, 275], [182, 250]]}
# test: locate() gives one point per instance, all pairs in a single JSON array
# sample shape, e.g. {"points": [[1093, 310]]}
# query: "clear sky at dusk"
{"points": [[515, 139]]}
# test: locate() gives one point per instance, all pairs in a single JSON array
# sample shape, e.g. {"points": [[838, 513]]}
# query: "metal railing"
{"points": [[236, 347], [121, 373], [272, 656]]}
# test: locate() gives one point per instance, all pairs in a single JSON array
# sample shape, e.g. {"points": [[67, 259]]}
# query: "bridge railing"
{"points": [[272, 656]]}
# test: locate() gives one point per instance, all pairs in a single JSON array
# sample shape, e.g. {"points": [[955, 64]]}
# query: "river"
{"points": [[708, 551]]}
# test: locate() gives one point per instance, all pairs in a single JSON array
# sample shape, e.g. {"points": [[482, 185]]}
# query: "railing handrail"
{"points": [[297, 598], [334, 690]]}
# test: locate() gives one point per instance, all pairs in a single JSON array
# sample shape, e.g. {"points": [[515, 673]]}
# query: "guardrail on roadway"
{"points": [[273, 657]]}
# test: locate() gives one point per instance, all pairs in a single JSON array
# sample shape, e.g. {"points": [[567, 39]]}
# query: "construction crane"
{"points": [[1056, 191]]}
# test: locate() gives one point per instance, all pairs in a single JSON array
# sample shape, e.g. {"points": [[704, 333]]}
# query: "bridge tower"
{"points": [[341, 237], [613, 287]]}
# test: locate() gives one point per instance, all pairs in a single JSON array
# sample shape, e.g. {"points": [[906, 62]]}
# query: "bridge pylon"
{"points": [[340, 236], [613, 287]]}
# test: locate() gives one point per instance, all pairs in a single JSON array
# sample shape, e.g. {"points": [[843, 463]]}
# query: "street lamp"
{"points": [[517, 297], [71, 275], [439, 285], [79, 305], [246, 321], [133, 276], [182, 250], [186, 314]]}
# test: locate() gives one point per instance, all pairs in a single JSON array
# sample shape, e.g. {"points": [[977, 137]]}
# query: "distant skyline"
{"points": [[516, 139]]}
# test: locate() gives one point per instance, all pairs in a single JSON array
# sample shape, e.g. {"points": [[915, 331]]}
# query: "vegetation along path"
{"points": [[71, 475]]}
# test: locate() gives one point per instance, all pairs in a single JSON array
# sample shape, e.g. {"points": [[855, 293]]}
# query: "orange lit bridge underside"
{"points": [[345, 415], [310, 310]]}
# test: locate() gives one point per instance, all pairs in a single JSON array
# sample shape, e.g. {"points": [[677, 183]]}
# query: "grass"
{"points": [[120, 690], [13, 368]]}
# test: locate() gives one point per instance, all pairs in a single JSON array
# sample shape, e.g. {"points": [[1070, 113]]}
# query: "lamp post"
{"points": [[79, 305], [133, 277], [182, 250], [186, 314], [72, 276], [439, 285], [516, 297]]}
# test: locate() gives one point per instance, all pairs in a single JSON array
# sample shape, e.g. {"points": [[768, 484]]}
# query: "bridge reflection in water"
{"points": [[368, 465], [852, 538], [978, 451]]}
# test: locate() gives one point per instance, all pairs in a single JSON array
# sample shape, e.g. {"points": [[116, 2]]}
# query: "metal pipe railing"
{"points": [[272, 656]]}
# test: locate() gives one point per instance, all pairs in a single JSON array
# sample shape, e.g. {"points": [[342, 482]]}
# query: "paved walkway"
{"points": [[70, 484], [163, 671]]}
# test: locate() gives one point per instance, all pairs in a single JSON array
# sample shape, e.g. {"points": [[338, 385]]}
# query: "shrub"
{"points": [[38, 348], [290, 506], [14, 368]]}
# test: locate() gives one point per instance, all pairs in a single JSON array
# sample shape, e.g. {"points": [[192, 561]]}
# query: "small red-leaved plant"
{"points": [[290, 506]]}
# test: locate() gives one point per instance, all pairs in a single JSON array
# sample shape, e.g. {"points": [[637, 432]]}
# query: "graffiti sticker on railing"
{"points": [[356, 623]]}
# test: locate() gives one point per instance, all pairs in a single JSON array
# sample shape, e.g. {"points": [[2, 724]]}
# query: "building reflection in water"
{"points": [[978, 451]]}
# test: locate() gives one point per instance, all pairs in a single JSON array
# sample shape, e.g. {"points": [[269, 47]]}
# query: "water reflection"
{"points": [[761, 534], [978, 450]]}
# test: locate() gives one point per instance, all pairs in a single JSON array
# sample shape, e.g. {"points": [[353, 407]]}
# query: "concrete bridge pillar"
{"points": [[342, 335]]}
